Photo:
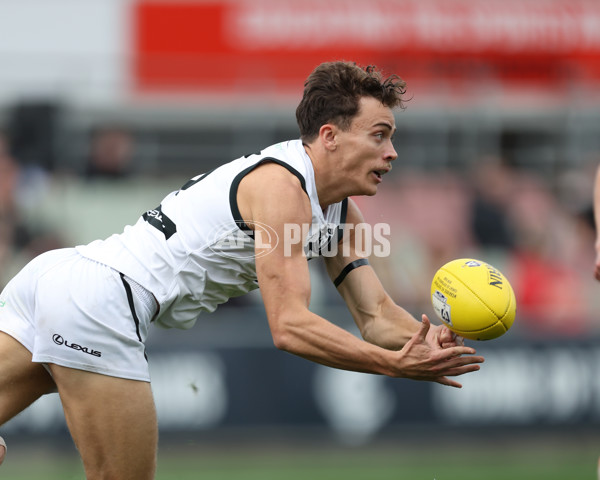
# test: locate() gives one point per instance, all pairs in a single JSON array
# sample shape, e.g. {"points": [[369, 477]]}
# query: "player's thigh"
{"points": [[21, 381], [112, 421]]}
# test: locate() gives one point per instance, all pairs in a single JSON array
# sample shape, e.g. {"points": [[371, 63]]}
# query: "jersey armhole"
{"points": [[235, 211]]}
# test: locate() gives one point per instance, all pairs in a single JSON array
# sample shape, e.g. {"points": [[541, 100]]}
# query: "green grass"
{"points": [[354, 465], [505, 460]]}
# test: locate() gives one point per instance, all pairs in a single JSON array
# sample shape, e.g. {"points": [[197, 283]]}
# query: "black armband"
{"points": [[348, 268]]}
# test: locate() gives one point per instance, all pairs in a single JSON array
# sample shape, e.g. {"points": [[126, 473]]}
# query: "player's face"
{"points": [[366, 149]]}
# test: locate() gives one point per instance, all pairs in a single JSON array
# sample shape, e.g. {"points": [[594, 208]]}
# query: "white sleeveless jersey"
{"points": [[194, 252]]}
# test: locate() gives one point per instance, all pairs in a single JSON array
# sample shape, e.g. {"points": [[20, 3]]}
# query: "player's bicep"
{"points": [[283, 278], [281, 266]]}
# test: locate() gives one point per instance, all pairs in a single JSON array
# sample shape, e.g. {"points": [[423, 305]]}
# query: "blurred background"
{"points": [[108, 105]]}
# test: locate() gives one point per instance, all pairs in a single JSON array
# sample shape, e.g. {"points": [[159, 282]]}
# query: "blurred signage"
{"points": [[552, 385], [520, 384], [271, 45]]}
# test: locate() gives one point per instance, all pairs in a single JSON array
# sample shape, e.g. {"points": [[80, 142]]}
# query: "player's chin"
{"points": [[366, 188], [370, 189]]}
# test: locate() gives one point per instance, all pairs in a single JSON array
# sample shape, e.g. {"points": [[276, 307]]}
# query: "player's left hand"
{"points": [[444, 337]]}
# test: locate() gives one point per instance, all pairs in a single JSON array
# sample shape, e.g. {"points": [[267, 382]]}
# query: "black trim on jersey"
{"points": [[343, 216], [340, 228], [160, 221], [132, 308], [348, 268], [235, 211], [193, 181]]}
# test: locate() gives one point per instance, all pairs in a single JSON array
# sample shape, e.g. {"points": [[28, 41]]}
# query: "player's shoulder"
{"points": [[272, 177], [289, 148], [290, 155], [279, 164]]}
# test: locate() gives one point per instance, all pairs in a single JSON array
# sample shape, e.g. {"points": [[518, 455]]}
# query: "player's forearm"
{"points": [[314, 338], [391, 327], [379, 319]]}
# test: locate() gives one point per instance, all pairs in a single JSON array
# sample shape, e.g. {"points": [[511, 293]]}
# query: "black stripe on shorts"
{"points": [[132, 308]]}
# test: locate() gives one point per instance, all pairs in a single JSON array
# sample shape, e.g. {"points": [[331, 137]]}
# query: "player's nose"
{"points": [[390, 153]]}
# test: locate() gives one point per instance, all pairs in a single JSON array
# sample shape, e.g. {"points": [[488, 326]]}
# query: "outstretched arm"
{"points": [[380, 320], [285, 286]]}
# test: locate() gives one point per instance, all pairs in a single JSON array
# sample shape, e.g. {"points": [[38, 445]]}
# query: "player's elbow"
{"points": [[288, 330], [367, 332], [281, 334], [282, 341], [285, 340]]}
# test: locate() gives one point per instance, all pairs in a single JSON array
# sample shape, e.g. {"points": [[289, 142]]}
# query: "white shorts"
{"points": [[72, 311]]}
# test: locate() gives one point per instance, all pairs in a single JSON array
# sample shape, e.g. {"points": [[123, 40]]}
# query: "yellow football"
{"points": [[473, 299]]}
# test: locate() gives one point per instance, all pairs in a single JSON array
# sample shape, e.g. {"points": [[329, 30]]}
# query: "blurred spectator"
{"points": [[111, 154], [492, 182], [575, 187], [33, 127], [19, 242], [550, 292]]}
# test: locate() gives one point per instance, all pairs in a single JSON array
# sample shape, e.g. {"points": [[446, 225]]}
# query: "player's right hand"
{"points": [[423, 359]]}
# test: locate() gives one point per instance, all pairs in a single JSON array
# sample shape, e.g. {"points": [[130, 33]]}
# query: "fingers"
{"points": [[456, 352], [454, 372], [425, 326], [451, 339], [454, 368], [457, 339], [455, 365], [448, 382], [437, 364], [460, 362]]}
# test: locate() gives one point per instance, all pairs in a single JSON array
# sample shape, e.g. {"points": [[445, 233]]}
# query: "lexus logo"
{"points": [[59, 340]]}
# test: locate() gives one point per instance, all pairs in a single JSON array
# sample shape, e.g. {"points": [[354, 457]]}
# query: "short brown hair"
{"points": [[332, 93]]}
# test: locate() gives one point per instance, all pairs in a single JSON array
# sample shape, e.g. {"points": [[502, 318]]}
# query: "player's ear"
{"points": [[328, 136]]}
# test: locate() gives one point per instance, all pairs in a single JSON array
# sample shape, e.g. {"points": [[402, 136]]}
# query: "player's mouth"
{"points": [[380, 173]]}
